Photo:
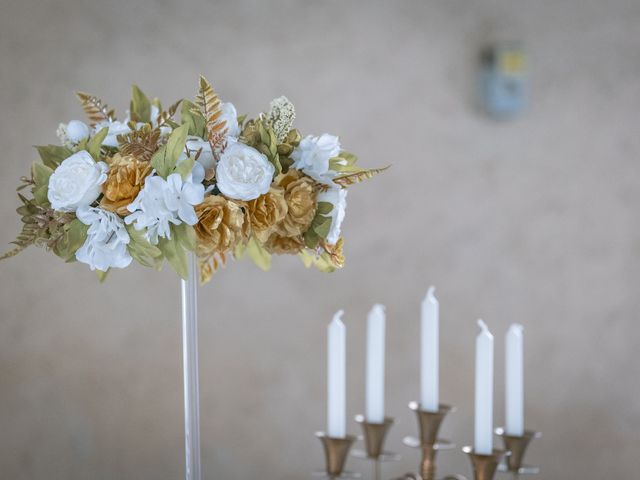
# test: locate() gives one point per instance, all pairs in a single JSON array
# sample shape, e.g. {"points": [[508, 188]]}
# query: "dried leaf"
{"points": [[357, 177], [210, 107], [95, 109]]}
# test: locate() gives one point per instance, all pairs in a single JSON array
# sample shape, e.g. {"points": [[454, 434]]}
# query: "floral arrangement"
{"points": [[152, 187]]}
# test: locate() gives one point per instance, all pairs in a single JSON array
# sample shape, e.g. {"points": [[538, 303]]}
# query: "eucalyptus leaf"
{"points": [[258, 254], [53, 155], [94, 145], [175, 255], [324, 208], [74, 236], [40, 174], [102, 276], [186, 236], [165, 159], [142, 250], [322, 225], [195, 121], [140, 106], [184, 167]]}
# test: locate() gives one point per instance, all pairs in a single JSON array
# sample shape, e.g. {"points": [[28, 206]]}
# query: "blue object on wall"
{"points": [[503, 80]]}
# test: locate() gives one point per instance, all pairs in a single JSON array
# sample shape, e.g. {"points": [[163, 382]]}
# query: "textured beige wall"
{"points": [[533, 221]]}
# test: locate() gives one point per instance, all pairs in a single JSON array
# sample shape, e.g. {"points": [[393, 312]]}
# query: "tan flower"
{"points": [[266, 212], [124, 181], [284, 245], [300, 195], [221, 225]]}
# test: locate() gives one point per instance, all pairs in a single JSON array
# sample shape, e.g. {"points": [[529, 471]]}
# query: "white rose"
{"points": [[107, 240], [230, 116], [243, 173], [115, 128], [313, 154], [76, 182], [338, 198]]}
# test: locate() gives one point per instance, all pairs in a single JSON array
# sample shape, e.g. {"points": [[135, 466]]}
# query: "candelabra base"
{"points": [[517, 445], [336, 451]]}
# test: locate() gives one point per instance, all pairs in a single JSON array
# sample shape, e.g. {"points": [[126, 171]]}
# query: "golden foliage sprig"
{"points": [[96, 110], [357, 177], [209, 264], [166, 115], [142, 143], [210, 107]]}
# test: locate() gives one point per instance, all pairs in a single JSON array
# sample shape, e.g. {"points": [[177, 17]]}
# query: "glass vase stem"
{"points": [[190, 365]]}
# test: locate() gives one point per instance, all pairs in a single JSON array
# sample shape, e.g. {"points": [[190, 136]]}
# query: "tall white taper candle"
{"points": [[483, 444], [514, 383], [374, 411], [336, 381], [429, 341]]}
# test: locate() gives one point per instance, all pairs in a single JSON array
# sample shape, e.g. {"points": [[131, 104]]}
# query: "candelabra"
{"points": [[484, 466]]}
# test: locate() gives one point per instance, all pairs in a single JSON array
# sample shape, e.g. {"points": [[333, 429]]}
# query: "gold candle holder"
{"points": [[336, 451], [484, 466], [374, 435], [518, 447], [429, 426]]}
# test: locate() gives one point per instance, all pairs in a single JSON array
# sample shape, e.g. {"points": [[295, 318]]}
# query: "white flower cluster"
{"points": [[163, 202], [107, 240], [313, 154]]}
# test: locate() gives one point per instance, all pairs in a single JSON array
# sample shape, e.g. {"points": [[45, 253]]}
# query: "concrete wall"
{"points": [[533, 221]]}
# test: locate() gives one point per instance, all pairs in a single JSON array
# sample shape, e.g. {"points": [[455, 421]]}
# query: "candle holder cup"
{"points": [[485, 466], [336, 451], [374, 435], [517, 445], [429, 426]]}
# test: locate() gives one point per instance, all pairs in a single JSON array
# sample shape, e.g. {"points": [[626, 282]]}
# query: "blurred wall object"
{"points": [[503, 79]]}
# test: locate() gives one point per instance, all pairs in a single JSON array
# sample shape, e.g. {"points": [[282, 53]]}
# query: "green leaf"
{"points": [[94, 145], [195, 121], [74, 236], [140, 106], [40, 174], [345, 162], [53, 155], [165, 159], [321, 225], [102, 276], [324, 208], [142, 250], [258, 254], [184, 167], [240, 251], [186, 236], [175, 255]]}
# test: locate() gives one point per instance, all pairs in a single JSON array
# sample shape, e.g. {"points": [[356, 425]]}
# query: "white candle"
{"points": [[484, 391], [375, 365], [336, 381], [429, 353], [514, 391]]}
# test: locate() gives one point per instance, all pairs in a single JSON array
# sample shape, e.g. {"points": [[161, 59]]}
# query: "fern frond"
{"points": [[166, 115], [210, 107], [357, 177], [210, 264], [141, 144], [95, 109]]}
